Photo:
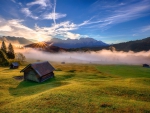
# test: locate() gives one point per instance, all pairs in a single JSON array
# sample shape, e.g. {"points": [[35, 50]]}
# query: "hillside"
{"points": [[77, 43], [15, 40], [82, 44], [45, 47], [136, 46], [78, 88]]}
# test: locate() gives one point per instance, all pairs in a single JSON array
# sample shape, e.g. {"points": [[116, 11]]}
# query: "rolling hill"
{"points": [[136, 46], [78, 88], [45, 47]]}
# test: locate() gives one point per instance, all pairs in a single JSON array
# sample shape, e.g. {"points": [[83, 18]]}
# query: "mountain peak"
{"points": [[77, 43]]}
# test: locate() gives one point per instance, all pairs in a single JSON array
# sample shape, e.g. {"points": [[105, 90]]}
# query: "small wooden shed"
{"points": [[14, 65], [145, 65], [38, 72]]}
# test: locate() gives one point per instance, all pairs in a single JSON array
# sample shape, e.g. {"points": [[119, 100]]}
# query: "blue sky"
{"points": [[110, 21]]}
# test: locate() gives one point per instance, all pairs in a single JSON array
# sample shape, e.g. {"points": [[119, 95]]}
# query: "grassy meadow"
{"points": [[78, 88]]}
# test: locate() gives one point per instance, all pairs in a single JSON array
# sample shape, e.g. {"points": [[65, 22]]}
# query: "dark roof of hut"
{"points": [[15, 64], [42, 68]]}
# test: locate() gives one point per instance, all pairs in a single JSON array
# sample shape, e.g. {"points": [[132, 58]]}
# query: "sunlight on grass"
{"points": [[78, 88]]}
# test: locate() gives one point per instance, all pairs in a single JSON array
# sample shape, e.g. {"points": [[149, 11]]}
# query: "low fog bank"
{"points": [[99, 57]]}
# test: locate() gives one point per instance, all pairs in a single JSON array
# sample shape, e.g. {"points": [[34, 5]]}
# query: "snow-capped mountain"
{"points": [[77, 43]]}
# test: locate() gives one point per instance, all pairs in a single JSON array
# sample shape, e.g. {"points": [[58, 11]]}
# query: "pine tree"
{"points": [[3, 47], [10, 54]]}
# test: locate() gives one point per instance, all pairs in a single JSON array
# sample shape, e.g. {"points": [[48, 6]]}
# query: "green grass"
{"points": [[125, 71], [78, 88]]}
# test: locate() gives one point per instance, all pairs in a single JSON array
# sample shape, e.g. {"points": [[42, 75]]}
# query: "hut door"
{"points": [[32, 76]]}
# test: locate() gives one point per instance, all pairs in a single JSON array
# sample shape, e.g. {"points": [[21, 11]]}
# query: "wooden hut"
{"points": [[14, 65], [145, 65], [38, 72]]}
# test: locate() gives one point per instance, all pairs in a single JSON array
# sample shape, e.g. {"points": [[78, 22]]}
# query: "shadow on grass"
{"points": [[58, 69], [72, 71], [68, 76], [26, 88]]}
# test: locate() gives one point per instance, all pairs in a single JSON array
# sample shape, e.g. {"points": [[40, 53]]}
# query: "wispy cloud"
{"points": [[146, 28], [13, 1], [142, 31], [47, 9], [5, 28], [42, 3], [54, 12], [72, 35], [28, 13], [122, 14], [60, 29], [66, 26], [103, 18], [15, 27], [52, 15]]}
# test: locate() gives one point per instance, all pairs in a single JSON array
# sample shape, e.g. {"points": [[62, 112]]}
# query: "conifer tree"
{"points": [[3, 47], [10, 54]]}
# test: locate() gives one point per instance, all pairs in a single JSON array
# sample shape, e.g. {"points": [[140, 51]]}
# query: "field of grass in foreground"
{"points": [[78, 88]]}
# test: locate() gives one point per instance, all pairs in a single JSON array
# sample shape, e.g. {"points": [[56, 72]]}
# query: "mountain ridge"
{"points": [[136, 46], [77, 43]]}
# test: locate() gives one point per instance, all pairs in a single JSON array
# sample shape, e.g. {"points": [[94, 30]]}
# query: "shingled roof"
{"points": [[41, 68], [15, 64]]}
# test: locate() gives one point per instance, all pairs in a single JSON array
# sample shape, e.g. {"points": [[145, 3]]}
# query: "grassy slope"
{"points": [[78, 88]]}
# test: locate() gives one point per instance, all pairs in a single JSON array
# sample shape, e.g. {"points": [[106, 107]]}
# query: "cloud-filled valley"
{"points": [[99, 57]]}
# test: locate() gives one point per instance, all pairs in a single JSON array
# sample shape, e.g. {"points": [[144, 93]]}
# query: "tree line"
{"points": [[8, 51]]}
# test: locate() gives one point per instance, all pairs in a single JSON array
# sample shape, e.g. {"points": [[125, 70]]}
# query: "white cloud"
{"points": [[146, 28], [20, 4], [134, 34], [42, 3], [28, 13], [129, 12], [5, 28], [144, 31], [61, 29], [65, 26], [58, 28], [15, 27], [71, 35], [16, 23], [52, 15], [98, 57], [13, 1]]}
